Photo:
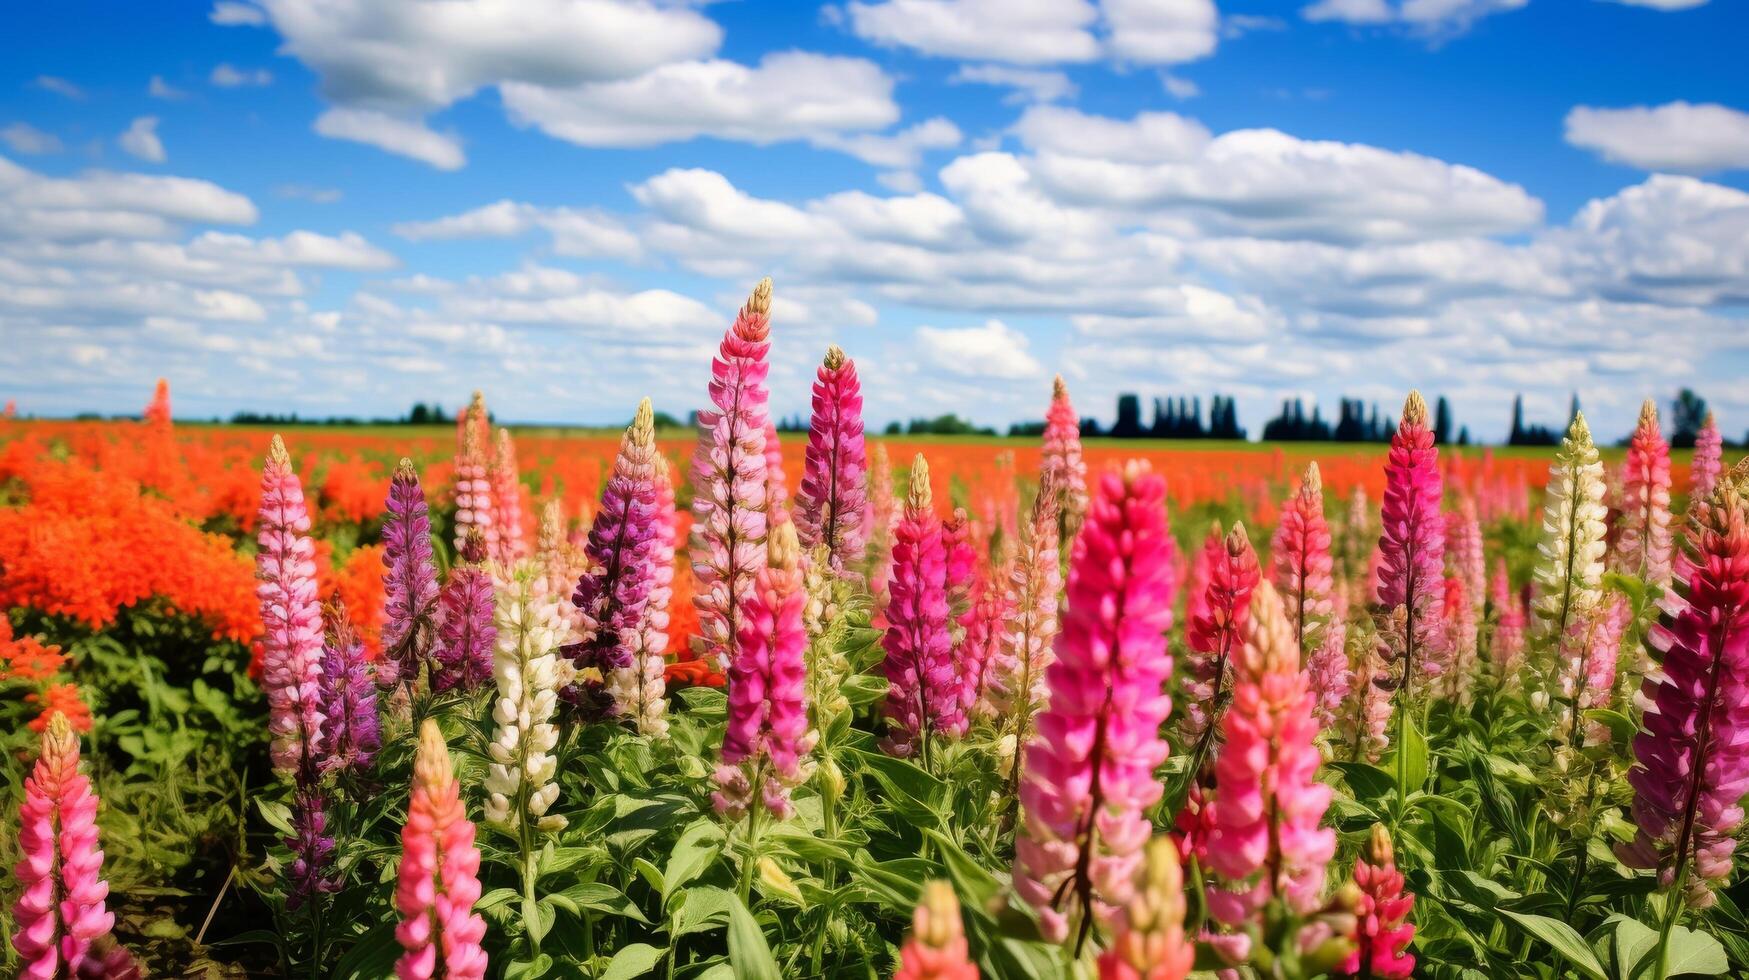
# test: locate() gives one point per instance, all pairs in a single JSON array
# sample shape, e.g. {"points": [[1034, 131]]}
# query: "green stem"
{"points": [[1669, 925], [746, 886], [528, 876]]}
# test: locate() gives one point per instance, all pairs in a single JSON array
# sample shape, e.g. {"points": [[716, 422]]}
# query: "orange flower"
{"points": [[62, 698]]}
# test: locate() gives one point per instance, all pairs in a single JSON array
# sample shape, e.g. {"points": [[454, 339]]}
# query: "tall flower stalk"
{"points": [[1301, 553], [1090, 769], [648, 703], [506, 480], [1411, 573], [462, 656], [439, 877], [473, 484], [832, 501], [922, 691], [409, 579], [1464, 552], [1016, 671], [1707, 463], [1061, 465], [1569, 569], [1643, 547], [291, 616], [1267, 841], [60, 909], [1215, 633], [1382, 928], [729, 480]]}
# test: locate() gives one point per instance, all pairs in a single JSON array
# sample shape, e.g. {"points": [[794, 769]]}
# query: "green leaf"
{"points": [[1621, 728], [975, 884], [598, 897], [702, 908], [1413, 756], [1695, 953], [749, 954], [1366, 782], [631, 961], [529, 969], [698, 846], [915, 793], [373, 956], [1563, 938]]}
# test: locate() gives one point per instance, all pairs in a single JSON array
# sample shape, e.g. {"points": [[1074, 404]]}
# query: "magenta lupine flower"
{"points": [[506, 480], [1411, 576], [1060, 460], [1382, 928], [1708, 461], [1509, 623], [473, 488], [1456, 651], [1216, 627], [351, 731], [439, 876], [1691, 766], [923, 697], [462, 657], [833, 497], [1090, 769], [291, 616], [409, 579], [612, 595], [60, 908], [312, 870], [1463, 552], [766, 744], [1301, 555], [962, 570], [1268, 842], [776, 483], [728, 477], [1331, 675], [1644, 545]]}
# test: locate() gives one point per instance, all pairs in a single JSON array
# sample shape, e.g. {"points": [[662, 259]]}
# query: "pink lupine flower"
{"points": [[1016, 671], [473, 488], [923, 697], [936, 948], [984, 623], [650, 641], [291, 615], [1707, 463], [962, 570], [1090, 767], [776, 483], [1456, 651], [439, 877], [882, 513], [1382, 928], [1149, 943], [1589, 656], [1267, 841], [729, 480], [832, 502], [60, 908], [1331, 676], [1301, 555], [1061, 463], [1463, 552], [1370, 728], [767, 742], [1509, 623], [1214, 633], [506, 482], [1411, 574], [1691, 766], [1644, 545]]}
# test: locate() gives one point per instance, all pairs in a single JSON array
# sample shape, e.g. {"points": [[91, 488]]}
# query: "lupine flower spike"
{"points": [[613, 594], [1216, 630], [1644, 544], [521, 782], [729, 481], [1018, 689], [351, 732], [439, 877], [1691, 765], [1382, 927], [1090, 769], [1569, 569], [776, 484], [1331, 674], [1707, 462], [462, 657], [1464, 552], [648, 704], [936, 948], [409, 579], [1411, 575], [1061, 464], [766, 745], [882, 514], [1268, 842], [1149, 943], [506, 481], [832, 502], [1301, 551], [60, 908], [291, 615], [923, 698], [473, 488]]}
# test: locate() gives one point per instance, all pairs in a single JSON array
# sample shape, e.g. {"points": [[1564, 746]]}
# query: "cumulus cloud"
{"points": [[226, 13], [158, 88], [1670, 239], [1160, 32], [1042, 32], [582, 233], [225, 75], [994, 350], [1677, 136], [1028, 84], [24, 138], [102, 203], [1427, 17], [59, 86], [396, 134], [141, 140]]}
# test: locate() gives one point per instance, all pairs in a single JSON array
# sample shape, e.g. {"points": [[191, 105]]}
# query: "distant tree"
{"points": [[1530, 435], [1027, 429], [1463, 435], [1687, 415], [894, 429], [666, 421], [1441, 421], [1090, 427], [1129, 417]]}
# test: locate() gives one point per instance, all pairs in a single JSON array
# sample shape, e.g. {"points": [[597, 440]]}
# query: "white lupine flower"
{"points": [[1569, 570], [520, 777]]}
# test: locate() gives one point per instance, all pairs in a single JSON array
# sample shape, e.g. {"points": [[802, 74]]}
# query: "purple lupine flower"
{"points": [[612, 595], [409, 579], [291, 616], [463, 653], [833, 497], [312, 872], [351, 731]]}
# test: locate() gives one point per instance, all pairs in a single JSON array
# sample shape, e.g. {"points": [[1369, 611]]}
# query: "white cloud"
{"points": [[348, 250], [158, 88], [1186, 311], [309, 192], [106, 204], [902, 150], [141, 140], [403, 136], [227, 13], [575, 232], [27, 139], [226, 75], [1674, 240], [1676, 136], [1665, 5], [1437, 18], [1029, 84], [1160, 32], [59, 86], [1025, 32], [789, 95], [994, 350], [1179, 88]]}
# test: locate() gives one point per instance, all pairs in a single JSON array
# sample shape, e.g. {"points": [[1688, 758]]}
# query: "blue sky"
{"points": [[342, 206]]}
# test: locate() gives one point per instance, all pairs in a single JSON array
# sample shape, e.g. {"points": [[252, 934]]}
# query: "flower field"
{"points": [[467, 701]]}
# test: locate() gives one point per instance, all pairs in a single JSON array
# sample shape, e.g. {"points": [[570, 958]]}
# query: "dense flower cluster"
{"points": [[1301, 550], [1643, 547], [439, 874], [1411, 573], [1228, 574], [832, 502], [923, 699], [1063, 469]]}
